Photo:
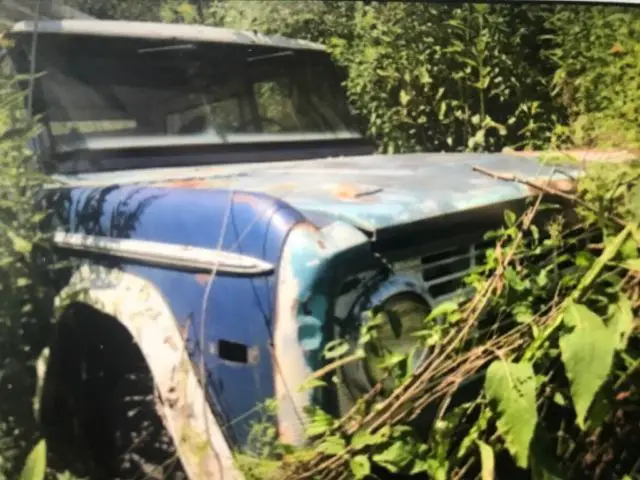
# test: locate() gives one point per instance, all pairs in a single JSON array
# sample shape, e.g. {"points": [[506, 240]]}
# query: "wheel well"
{"points": [[98, 405]]}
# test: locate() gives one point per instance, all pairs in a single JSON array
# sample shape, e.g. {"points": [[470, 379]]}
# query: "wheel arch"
{"points": [[141, 309]]}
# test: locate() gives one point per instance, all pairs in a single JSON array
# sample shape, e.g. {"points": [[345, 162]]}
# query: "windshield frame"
{"points": [[113, 155]]}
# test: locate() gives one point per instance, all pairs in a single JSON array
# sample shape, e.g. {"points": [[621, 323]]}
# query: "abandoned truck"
{"points": [[226, 218]]}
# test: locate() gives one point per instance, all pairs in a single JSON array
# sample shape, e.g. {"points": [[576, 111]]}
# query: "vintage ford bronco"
{"points": [[227, 219]]}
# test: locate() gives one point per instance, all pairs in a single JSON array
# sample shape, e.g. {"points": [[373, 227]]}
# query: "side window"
{"points": [[227, 115], [275, 106], [223, 116]]}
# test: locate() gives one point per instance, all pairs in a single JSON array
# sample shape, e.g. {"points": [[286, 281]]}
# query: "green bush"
{"points": [[471, 77], [25, 299]]}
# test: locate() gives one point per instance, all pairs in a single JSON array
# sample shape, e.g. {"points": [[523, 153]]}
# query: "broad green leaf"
{"points": [[20, 245], [587, 354], [443, 309], [363, 438], [511, 388], [320, 422], [488, 461], [360, 466], [621, 321], [311, 383], [36, 464], [395, 457], [632, 264], [332, 445]]}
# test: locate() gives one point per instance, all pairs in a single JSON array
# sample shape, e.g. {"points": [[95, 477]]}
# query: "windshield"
{"points": [[101, 92]]}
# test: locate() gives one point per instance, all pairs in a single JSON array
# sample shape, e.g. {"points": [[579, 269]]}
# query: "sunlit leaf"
{"points": [[360, 466], [511, 388], [36, 464], [587, 353], [487, 460]]}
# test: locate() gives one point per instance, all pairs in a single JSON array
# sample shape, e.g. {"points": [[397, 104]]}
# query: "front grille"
{"points": [[443, 269]]}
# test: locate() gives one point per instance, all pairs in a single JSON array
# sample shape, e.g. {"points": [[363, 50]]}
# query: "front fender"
{"points": [[312, 264], [143, 310]]}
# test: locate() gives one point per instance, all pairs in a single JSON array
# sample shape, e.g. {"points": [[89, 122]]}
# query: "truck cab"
{"points": [[226, 219]]}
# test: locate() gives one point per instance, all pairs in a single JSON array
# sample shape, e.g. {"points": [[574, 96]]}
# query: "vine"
{"points": [[549, 339]]}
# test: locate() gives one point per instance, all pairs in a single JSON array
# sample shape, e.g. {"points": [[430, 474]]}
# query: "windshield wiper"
{"points": [[182, 46]]}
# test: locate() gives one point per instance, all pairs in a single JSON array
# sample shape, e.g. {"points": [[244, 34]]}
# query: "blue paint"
{"points": [[238, 309], [259, 220], [320, 259], [391, 190]]}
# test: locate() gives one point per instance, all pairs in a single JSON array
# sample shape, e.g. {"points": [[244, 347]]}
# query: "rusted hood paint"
{"points": [[372, 192]]}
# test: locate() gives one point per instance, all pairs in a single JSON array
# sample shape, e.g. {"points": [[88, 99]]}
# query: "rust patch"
{"points": [[283, 187], [355, 192], [190, 183], [195, 183], [248, 199], [202, 278], [346, 192], [564, 185], [168, 340]]}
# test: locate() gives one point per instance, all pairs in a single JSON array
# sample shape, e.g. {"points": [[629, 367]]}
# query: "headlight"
{"points": [[402, 315], [400, 306]]}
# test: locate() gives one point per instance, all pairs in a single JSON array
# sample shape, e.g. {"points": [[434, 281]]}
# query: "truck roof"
{"points": [[160, 31]]}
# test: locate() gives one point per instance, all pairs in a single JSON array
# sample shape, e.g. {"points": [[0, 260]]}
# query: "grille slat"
{"points": [[442, 271]]}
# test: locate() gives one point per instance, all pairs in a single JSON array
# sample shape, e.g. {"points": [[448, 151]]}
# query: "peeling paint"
{"points": [[375, 192], [137, 304], [304, 296]]}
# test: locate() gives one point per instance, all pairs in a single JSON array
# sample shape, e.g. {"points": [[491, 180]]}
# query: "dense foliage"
{"points": [[24, 298], [467, 77], [550, 339]]}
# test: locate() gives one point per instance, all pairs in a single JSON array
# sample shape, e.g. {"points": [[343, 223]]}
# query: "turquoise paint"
{"points": [[386, 190], [313, 259]]}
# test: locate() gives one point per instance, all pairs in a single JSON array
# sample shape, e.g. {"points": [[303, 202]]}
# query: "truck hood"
{"points": [[373, 192]]}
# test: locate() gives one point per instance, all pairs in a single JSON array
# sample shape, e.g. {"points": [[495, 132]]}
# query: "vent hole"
{"points": [[233, 352]]}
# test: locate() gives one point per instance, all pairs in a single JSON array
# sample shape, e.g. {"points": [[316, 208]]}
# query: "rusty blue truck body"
{"points": [[313, 223], [262, 251]]}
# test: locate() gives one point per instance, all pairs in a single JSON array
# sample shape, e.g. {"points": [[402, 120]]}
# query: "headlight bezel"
{"points": [[359, 377]]}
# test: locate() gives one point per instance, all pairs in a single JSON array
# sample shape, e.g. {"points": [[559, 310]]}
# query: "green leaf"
{"points": [[510, 218], [632, 264], [363, 438], [311, 383], [404, 98], [488, 461], [360, 466], [621, 321], [629, 250], [443, 309], [511, 388], [332, 445], [36, 464], [587, 354], [395, 457], [319, 423], [336, 348], [20, 245]]}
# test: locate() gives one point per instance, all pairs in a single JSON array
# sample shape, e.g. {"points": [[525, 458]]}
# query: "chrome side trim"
{"points": [[165, 254]]}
